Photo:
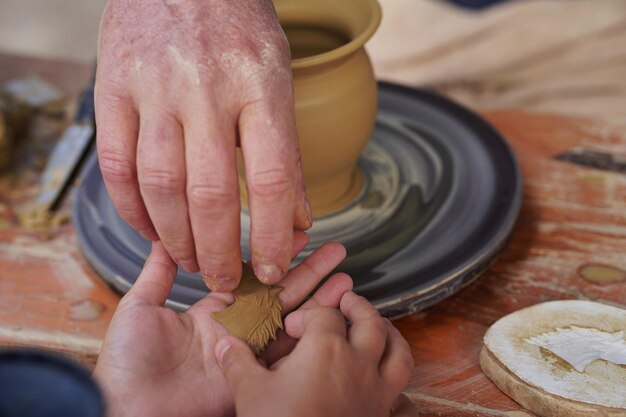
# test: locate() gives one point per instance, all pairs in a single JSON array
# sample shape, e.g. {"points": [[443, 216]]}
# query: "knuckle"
{"points": [[272, 243], [109, 87], [117, 168], [310, 268], [271, 182], [276, 50], [212, 194], [282, 48], [161, 181], [216, 260]]}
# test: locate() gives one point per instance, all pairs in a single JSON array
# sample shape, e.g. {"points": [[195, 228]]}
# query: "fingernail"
{"points": [[268, 273], [221, 283], [221, 347]]}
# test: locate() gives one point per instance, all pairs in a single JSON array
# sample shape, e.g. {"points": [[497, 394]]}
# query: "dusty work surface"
{"points": [[573, 217]]}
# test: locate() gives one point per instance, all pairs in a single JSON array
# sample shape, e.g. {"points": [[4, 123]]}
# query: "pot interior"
{"points": [[309, 40], [326, 29]]}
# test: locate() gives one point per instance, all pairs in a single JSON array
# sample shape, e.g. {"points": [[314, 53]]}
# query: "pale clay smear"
{"points": [[190, 67], [580, 331], [581, 346]]}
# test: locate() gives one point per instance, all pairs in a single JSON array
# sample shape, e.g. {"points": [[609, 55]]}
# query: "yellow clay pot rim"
{"points": [[346, 49]]}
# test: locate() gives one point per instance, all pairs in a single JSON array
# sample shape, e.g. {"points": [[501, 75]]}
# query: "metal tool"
{"points": [[68, 153]]}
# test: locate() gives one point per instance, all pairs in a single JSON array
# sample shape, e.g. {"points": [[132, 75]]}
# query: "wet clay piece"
{"points": [[256, 314]]}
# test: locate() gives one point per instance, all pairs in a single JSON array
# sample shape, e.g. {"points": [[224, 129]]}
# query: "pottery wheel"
{"points": [[443, 191]]}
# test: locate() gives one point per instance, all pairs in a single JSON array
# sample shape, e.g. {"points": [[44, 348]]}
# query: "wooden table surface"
{"points": [[573, 215]]}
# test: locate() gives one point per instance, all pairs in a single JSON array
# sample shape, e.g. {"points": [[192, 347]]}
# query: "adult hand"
{"points": [[180, 84], [157, 362], [333, 370]]}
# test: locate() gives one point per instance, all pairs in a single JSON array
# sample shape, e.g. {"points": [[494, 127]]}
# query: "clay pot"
{"points": [[335, 92]]}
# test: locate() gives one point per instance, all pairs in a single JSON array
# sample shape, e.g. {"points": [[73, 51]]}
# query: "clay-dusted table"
{"points": [[572, 216]]}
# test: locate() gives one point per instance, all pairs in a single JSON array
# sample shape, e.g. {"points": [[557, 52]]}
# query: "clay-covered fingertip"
{"points": [[303, 224], [221, 284], [268, 273]]}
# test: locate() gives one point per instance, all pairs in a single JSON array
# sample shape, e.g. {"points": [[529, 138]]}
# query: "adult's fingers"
{"points": [[368, 332], [302, 279], [213, 195], [315, 323], [118, 128], [238, 363], [396, 365], [300, 240], [269, 148], [303, 214], [162, 178], [156, 279]]}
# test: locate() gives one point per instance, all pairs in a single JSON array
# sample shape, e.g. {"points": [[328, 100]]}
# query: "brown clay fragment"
{"points": [[256, 314]]}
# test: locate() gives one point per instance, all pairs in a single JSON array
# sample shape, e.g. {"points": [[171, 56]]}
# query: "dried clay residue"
{"points": [[601, 274], [86, 310], [579, 346], [256, 314], [40, 218]]}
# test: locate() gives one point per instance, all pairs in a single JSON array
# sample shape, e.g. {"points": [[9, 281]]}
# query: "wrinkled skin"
{"points": [[180, 84]]}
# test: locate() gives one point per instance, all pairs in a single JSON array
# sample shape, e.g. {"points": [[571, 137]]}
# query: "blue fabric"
{"points": [[475, 4], [35, 383]]}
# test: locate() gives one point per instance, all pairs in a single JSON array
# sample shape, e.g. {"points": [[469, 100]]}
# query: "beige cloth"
{"points": [[560, 56], [565, 56]]}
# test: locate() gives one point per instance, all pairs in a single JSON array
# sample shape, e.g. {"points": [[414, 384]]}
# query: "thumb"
{"points": [[153, 285], [238, 363]]}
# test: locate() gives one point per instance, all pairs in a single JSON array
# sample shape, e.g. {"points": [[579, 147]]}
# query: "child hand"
{"points": [[334, 370], [159, 362]]}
